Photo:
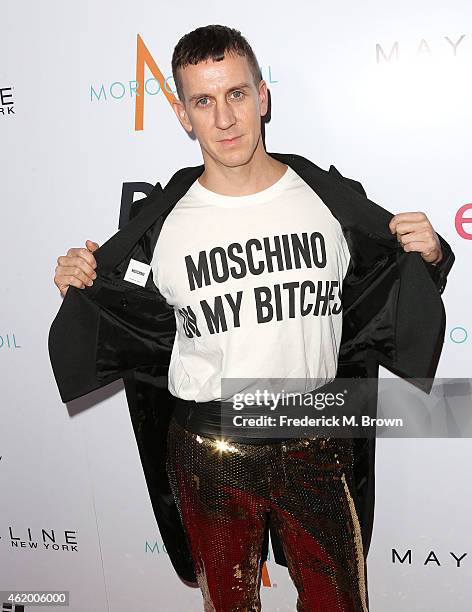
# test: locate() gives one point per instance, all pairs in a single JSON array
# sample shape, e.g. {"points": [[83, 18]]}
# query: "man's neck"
{"points": [[260, 172]]}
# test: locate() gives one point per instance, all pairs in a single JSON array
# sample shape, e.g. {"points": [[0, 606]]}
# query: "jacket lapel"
{"points": [[351, 208]]}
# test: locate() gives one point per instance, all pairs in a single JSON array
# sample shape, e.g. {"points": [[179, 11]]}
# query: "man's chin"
{"points": [[233, 159]]}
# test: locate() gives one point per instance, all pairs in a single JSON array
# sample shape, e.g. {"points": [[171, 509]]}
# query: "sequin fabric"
{"points": [[225, 493]]}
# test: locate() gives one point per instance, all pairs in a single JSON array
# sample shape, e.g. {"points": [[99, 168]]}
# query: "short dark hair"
{"points": [[211, 42]]}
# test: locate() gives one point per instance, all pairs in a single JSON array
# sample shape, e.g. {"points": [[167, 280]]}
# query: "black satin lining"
{"points": [[136, 328], [368, 322], [369, 254], [143, 251]]}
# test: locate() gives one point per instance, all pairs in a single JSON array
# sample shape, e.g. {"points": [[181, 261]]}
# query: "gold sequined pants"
{"points": [[225, 493]]}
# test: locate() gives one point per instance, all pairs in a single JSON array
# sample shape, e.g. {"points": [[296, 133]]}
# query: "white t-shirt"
{"points": [[255, 282]]}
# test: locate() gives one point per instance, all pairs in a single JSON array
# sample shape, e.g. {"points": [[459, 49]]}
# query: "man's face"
{"points": [[223, 106]]}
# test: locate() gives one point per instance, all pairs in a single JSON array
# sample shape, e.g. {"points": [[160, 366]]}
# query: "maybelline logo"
{"points": [[9, 341], [449, 45], [44, 539], [430, 557], [6, 101]]}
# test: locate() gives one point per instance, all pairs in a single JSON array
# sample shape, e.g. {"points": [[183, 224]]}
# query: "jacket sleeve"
{"points": [[71, 345], [437, 272], [440, 271]]}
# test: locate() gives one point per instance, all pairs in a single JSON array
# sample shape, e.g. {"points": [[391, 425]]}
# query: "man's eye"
{"points": [[238, 94], [202, 102]]}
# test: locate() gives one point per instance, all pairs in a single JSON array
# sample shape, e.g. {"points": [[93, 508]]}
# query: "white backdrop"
{"points": [[379, 89]]}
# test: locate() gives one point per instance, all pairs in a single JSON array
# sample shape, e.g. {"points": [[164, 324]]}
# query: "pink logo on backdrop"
{"points": [[463, 221]]}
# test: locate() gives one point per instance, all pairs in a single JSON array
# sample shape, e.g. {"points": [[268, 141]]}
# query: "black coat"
{"points": [[393, 315]]}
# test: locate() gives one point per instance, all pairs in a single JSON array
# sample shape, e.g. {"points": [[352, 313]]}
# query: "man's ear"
{"points": [[263, 97], [179, 110]]}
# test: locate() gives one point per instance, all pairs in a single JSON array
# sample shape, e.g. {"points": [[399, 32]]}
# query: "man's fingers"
{"points": [[420, 246], [424, 236], [77, 268], [64, 280], [85, 254], [406, 217], [91, 246], [414, 226], [72, 275], [78, 261]]}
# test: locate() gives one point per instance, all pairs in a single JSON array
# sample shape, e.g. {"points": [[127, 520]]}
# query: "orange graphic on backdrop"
{"points": [[265, 576], [143, 59]]}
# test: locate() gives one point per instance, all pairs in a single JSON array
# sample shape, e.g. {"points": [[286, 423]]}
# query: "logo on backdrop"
{"points": [[463, 221], [140, 87], [128, 192], [6, 101], [155, 548], [458, 334], [9, 341], [423, 48], [428, 557], [42, 539]]}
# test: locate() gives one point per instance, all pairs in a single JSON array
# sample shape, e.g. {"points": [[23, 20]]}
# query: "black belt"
{"points": [[204, 419]]}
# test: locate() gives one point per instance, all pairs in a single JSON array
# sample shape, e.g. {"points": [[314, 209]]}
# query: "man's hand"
{"points": [[76, 268], [415, 233]]}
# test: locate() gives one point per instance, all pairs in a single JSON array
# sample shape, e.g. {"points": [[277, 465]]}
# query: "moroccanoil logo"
{"points": [[140, 87]]}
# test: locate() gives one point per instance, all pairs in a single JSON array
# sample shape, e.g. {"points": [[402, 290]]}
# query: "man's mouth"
{"points": [[230, 140]]}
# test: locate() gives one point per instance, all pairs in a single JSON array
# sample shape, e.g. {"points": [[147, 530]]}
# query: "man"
{"points": [[249, 269]]}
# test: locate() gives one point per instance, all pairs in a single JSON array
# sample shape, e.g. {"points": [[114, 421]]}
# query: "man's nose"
{"points": [[224, 115]]}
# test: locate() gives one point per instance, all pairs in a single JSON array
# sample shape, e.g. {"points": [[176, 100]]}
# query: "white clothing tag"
{"points": [[137, 272]]}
